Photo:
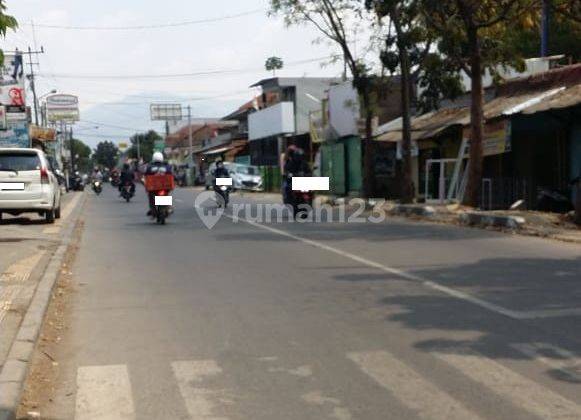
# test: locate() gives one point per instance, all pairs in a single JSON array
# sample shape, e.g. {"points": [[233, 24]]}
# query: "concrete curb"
{"points": [[413, 209], [15, 369], [482, 219]]}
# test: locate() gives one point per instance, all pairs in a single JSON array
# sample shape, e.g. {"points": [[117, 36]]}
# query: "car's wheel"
{"points": [[57, 212], [1, 215], [49, 216]]}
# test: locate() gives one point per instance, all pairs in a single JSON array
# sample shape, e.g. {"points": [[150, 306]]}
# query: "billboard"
{"points": [[15, 135], [62, 107], [12, 90], [166, 112]]}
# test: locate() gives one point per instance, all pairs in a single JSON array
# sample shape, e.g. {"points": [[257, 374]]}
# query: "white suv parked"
{"points": [[28, 184]]}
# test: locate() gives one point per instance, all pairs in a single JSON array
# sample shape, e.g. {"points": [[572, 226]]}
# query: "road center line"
{"points": [[391, 270]]}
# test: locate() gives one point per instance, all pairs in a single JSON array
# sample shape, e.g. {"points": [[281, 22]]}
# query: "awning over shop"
{"points": [[217, 151], [425, 126]]}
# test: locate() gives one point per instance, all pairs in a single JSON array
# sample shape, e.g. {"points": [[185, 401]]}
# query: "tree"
{"points": [[106, 154], [474, 36], [6, 22], [144, 144], [329, 18], [407, 49], [82, 155], [273, 64], [564, 35]]}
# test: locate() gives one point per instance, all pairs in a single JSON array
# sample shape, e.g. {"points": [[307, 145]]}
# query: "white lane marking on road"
{"points": [[65, 213], [554, 357], [318, 398], [519, 390], [550, 313], [13, 279], [430, 284], [104, 393], [409, 387], [190, 375]]}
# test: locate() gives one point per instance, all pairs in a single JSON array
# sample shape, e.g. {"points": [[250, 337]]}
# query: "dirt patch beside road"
{"points": [[44, 372]]}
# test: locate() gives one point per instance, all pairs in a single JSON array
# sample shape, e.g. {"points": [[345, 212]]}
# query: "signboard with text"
{"points": [[62, 107], [166, 112], [15, 135], [12, 90]]}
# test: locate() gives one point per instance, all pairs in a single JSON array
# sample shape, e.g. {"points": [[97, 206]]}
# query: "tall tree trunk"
{"points": [[476, 120], [368, 174], [407, 190]]}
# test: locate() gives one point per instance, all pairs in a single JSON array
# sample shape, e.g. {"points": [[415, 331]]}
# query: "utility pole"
{"points": [[545, 19], [72, 147], [30, 77], [191, 169]]}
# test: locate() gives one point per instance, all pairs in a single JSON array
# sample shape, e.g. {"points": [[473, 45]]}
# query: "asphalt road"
{"points": [[396, 320]]}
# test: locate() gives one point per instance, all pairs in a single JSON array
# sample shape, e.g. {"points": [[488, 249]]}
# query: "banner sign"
{"points": [[42, 133], [16, 135], [62, 107], [3, 121], [496, 138], [12, 91]]}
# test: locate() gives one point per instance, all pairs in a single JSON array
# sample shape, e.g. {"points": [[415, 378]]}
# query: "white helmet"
{"points": [[157, 157]]}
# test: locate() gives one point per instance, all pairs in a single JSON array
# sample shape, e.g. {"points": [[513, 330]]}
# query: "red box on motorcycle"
{"points": [[159, 182]]}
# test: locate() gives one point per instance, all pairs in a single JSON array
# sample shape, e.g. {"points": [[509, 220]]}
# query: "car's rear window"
{"points": [[19, 161]]}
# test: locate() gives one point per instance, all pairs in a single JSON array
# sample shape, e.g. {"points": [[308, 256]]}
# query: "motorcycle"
{"points": [[301, 201], [160, 185], [76, 182], [97, 187], [127, 191], [222, 195]]}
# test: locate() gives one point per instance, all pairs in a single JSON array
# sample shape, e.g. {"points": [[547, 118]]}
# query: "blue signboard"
{"points": [[16, 135]]}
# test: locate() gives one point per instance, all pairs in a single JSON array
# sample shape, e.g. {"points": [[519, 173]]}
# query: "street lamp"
{"points": [[43, 110]]}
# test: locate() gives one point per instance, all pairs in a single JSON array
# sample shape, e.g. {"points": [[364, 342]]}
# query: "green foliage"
{"points": [[146, 144], [564, 38], [6, 22], [106, 154], [273, 64], [460, 23], [82, 155]]}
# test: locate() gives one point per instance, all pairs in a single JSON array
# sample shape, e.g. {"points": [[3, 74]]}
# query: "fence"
{"points": [[501, 193], [271, 178]]}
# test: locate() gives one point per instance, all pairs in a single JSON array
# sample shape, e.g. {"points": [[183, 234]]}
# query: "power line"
{"points": [[153, 26], [177, 75], [110, 125]]}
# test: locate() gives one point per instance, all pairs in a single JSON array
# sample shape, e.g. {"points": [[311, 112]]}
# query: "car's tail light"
{"points": [[44, 176], [162, 192]]}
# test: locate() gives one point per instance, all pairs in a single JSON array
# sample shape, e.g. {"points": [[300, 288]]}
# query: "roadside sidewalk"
{"points": [[31, 252]]}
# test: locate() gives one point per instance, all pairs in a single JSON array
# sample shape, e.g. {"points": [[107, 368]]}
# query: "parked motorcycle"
{"points": [[76, 182], [553, 201], [97, 187], [127, 191]]}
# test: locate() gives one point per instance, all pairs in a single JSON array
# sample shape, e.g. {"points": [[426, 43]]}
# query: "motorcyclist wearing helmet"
{"points": [[157, 165]]}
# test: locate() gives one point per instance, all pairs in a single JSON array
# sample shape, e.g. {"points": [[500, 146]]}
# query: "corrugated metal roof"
{"points": [[555, 89], [427, 125]]}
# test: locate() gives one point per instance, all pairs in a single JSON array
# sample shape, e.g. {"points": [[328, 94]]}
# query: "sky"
{"points": [[227, 52]]}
